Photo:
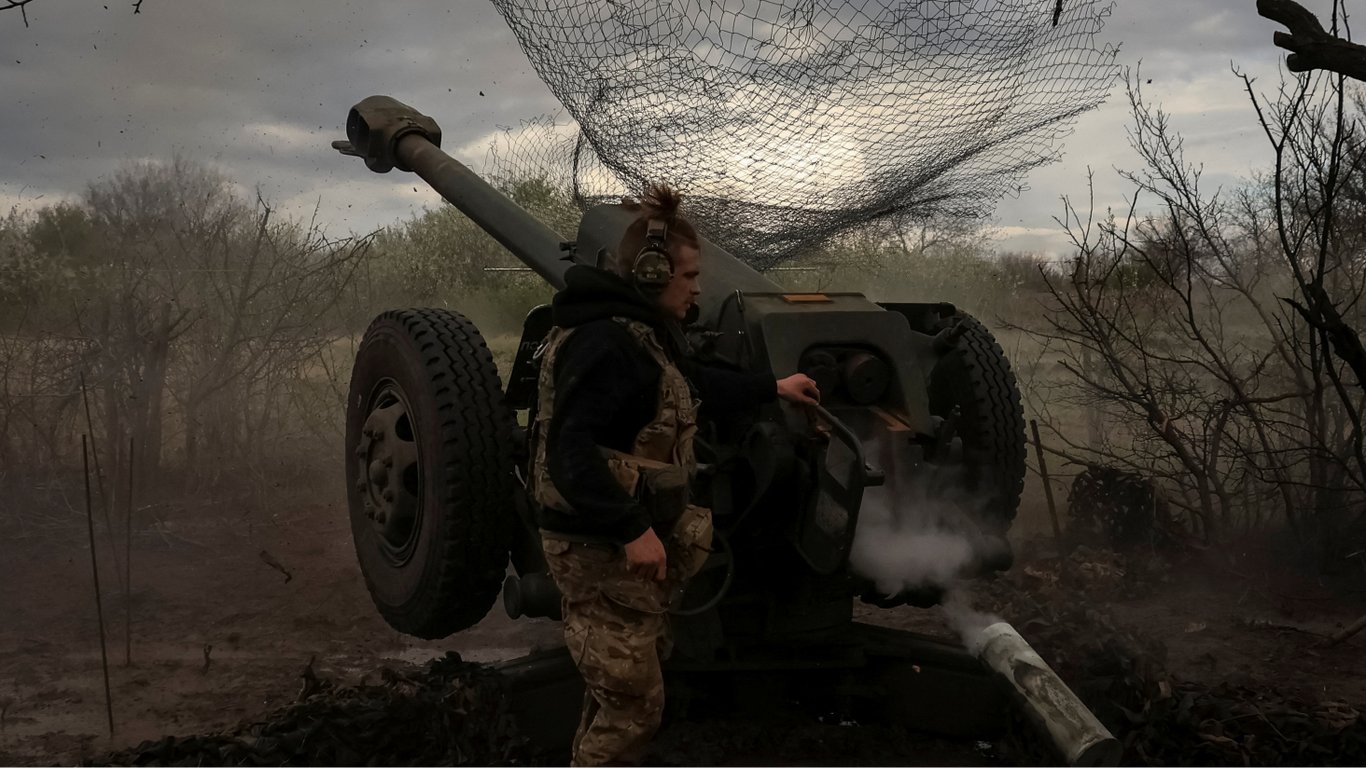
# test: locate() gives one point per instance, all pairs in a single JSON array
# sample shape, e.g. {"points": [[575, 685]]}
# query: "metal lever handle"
{"points": [[346, 148], [870, 475]]}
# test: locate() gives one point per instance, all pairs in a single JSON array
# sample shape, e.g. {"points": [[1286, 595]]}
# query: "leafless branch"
{"points": [[11, 4], [6, 5], [1169, 327]]}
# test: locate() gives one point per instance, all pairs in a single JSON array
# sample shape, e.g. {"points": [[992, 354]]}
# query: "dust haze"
{"points": [[194, 319]]}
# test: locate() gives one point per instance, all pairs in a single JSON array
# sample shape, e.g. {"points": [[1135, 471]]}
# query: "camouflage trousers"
{"points": [[616, 625]]}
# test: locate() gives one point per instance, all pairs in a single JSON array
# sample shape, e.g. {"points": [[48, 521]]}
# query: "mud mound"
{"points": [[1121, 673], [456, 713], [811, 742], [1233, 725], [449, 713]]}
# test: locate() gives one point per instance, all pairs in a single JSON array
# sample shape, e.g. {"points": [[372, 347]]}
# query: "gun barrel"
{"points": [[1073, 729], [389, 134], [534, 243]]}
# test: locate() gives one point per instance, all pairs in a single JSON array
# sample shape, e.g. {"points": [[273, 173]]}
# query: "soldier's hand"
{"points": [[645, 556], [799, 388]]}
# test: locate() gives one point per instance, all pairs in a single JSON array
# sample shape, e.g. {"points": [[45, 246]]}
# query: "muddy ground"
{"points": [[220, 635]]}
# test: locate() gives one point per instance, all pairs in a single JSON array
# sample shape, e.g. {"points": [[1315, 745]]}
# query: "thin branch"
{"points": [[23, 12], [6, 5]]}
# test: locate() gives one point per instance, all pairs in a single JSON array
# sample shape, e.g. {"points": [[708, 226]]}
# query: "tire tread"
{"points": [[463, 578]]}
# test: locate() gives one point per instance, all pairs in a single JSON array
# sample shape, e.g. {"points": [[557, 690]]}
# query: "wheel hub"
{"points": [[389, 477]]}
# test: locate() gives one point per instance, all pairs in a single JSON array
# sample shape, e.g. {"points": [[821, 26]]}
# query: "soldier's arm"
{"points": [[721, 389], [593, 381]]}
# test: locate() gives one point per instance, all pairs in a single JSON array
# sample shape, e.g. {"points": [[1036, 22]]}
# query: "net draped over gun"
{"points": [[791, 122]]}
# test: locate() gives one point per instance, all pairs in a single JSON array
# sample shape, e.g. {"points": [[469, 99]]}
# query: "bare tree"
{"points": [[193, 315], [266, 300], [36, 397], [1204, 330]]}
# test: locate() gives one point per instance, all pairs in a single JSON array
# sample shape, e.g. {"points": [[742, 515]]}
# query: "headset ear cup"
{"points": [[652, 269]]}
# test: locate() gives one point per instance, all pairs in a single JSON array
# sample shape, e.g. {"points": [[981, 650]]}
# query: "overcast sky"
{"points": [[259, 89]]}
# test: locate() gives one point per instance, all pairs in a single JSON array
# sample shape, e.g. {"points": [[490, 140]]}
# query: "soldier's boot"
{"points": [[586, 715], [621, 729]]}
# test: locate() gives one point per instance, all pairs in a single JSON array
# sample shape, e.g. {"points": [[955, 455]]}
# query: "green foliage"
{"points": [[926, 264], [208, 328], [36, 259], [191, 313], [442, 258]]}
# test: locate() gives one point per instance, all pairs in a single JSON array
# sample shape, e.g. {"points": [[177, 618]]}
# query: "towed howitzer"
{"points": [[919, 409]]}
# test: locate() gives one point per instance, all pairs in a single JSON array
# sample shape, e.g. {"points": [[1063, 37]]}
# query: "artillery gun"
{"points": [[919, 403]]}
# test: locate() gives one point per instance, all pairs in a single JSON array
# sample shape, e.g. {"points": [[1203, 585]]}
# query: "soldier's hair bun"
{"points": [[660, 201], [663, 198]]}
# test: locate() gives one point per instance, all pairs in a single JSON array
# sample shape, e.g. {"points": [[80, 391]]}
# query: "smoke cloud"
{"points": [[966, 621], [898, 559], [917, 530]]}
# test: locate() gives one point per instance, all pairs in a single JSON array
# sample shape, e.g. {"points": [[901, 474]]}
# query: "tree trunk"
{"points": [[149, 392]]}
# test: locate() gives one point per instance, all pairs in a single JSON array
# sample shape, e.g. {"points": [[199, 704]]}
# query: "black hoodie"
{"points": [[606, 391]]}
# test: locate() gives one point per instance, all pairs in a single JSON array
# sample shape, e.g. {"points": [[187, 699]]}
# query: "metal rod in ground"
{"points": [[128, 565], [99, 476], [1073, 729], [95, 572], [1348, 631], [1048, 491]]}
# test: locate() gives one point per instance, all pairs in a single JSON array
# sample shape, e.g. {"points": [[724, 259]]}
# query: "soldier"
{"points": [[613, 457]]}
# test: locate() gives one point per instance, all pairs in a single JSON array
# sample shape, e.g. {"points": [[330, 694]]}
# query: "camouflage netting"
{"points": [[791, 121]]}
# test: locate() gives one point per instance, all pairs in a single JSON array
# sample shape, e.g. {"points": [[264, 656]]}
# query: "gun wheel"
{"points": [[429, 471], [973, 385]]}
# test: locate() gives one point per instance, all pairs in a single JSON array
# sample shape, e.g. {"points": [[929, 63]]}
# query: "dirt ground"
{"points": [[219, 634]]}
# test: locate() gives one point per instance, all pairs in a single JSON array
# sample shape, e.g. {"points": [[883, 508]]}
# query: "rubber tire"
{"points": [[976, 378], [440, 362]]}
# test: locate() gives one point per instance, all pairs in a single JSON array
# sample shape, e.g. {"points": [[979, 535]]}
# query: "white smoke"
{"points": [[915, 550], [965, 620], [916, 530], [895, 558]]}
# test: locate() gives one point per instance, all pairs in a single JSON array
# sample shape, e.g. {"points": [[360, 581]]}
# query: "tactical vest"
{"points": [[661, 461]]}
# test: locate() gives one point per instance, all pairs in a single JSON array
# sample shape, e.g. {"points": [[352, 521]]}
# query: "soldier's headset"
{"points": [[653, 268]]}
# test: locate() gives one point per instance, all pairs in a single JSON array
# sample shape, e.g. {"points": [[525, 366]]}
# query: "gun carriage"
{"points": [[919, 403]]}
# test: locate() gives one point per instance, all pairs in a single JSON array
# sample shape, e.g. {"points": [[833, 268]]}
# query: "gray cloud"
{"points": [[1185, 53], [260, 89]]}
